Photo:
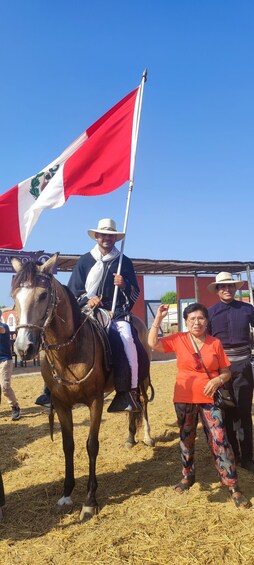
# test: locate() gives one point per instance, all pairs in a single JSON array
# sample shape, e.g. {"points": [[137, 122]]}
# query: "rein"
{"points": [[49, 347], [56, 346]]}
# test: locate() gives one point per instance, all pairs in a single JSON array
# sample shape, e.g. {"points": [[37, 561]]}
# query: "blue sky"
{"points": [[64, 64]]}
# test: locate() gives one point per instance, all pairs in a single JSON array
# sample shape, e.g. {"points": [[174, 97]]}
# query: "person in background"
{"points": [[6, 365], [230, 321], [93, 282], [193, 395]]}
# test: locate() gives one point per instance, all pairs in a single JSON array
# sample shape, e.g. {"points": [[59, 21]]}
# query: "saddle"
{"points": [[114, 355]]}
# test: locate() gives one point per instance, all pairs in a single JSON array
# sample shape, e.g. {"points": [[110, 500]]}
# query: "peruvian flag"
{"points": [[96, 163]]}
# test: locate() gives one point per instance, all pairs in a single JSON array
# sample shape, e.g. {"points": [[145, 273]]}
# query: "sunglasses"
{"points": [[198, 364]]}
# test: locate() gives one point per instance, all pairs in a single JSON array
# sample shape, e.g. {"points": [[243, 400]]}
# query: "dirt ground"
{"points": [[142, 520]]}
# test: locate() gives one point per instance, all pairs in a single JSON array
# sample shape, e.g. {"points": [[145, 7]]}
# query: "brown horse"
{"points": [[74, 365]]}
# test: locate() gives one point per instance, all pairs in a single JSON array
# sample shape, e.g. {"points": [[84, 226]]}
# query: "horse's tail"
{"points": [[151, 397], [144, 386], [51, 422]]}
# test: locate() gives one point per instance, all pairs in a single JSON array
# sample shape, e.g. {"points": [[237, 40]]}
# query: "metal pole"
{"points": [[249, 284], [135, 131], [196, 287], [239, 276]]}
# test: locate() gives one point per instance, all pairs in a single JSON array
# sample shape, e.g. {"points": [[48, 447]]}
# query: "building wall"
{"points": [[185, 289], [9, 317], [139, 308]]}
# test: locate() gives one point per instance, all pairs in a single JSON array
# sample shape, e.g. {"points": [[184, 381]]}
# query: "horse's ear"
{"points": [[16, 263], [48, 266]]}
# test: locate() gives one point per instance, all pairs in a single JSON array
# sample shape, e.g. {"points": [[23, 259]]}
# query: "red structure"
{"points": [[139, 308], [185, 289]]}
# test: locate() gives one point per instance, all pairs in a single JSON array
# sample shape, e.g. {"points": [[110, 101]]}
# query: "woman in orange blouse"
{"points": [[193, 395]]}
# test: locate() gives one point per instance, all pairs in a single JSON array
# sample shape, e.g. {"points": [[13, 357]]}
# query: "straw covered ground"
{"points": [[142, 520]]}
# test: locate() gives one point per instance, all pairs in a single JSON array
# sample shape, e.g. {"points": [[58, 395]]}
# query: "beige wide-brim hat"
{"points": [[106, 226], [224, 278]]}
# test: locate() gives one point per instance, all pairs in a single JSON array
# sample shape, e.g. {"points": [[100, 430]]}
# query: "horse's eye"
{"points": [[42, 296]]}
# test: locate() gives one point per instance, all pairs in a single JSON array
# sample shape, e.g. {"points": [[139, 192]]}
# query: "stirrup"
{"points": [[125, 402]]}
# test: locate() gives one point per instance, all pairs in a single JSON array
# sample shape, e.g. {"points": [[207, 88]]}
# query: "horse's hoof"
{"points": [[88, 512], [150, 442], [130, 444], [65, 501]]}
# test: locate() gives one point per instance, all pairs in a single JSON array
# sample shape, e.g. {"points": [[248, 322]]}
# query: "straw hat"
{"points": [[224, 278], [106, 226]]}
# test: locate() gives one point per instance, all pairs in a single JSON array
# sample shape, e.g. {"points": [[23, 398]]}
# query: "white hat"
{"points": [[224, 278], [106, 226]]}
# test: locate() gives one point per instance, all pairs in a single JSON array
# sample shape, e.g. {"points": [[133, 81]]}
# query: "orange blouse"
{"points": [[191, 377]]}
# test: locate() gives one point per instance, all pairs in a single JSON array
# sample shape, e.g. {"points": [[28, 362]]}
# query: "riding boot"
{"points": [[44, 399], [126, 402]]}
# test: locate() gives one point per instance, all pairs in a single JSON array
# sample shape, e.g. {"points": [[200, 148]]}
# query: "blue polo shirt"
{"points": [[5, 345], [231, 323]]}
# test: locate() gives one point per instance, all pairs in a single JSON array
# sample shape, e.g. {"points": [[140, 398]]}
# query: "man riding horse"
{"points": [[73, 366], [93, 281]]}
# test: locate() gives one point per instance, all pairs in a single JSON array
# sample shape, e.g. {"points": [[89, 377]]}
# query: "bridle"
{"points": [[45, 281]]}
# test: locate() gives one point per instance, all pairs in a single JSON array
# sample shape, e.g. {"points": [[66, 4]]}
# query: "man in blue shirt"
{"points": [[93, 282], [230, 321], [6, 370]]}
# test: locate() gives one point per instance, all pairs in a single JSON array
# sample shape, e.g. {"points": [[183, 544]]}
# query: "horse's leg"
{"points": [[134, 422], [148, 440], [130, 442], [90, 507], [65, 418]]}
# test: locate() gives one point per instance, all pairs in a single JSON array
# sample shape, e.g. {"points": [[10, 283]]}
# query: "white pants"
{"points": [[124, 330]]}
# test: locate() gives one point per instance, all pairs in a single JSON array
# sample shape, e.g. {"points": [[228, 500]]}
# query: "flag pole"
{"points": [[135, 132]]}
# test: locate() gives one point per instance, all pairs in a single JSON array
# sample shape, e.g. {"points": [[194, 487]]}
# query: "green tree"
{"points": [[169, 297]]}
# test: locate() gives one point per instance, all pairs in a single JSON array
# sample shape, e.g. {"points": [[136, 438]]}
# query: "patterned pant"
{"points": [[214, 428]]}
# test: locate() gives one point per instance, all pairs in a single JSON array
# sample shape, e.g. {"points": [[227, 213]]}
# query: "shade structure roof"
{"points": [[168, 267]]}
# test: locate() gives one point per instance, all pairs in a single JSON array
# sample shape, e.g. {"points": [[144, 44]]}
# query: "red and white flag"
{"points": [[96, 163]]}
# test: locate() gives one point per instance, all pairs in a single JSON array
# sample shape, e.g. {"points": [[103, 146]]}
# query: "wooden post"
{"points": [[196, 287], [249, 284]]}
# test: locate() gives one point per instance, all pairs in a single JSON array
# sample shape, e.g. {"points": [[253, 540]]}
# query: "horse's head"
{"points": [[34, 296]]}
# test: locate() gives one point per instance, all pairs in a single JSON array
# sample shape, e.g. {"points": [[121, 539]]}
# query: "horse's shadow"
{"points": [[163, 469], [26, 436], [113, 488]]}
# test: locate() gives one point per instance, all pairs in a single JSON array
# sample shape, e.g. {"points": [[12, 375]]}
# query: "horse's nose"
{"points": [[27, 352]]}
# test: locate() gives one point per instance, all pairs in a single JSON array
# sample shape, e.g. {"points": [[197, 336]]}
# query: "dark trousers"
{"points": [[2, 497], [239, 421]]}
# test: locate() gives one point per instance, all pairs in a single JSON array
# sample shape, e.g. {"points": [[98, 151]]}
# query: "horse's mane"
{"points": [[77, 316], [27, 274]]}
